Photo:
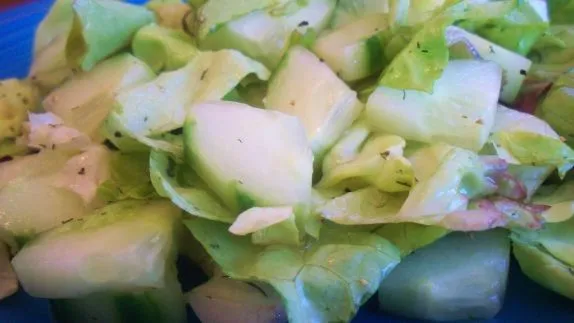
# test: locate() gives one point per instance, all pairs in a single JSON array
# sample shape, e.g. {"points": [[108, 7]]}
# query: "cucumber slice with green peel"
{"points": [[514, 66], [354, 51], [348, 11], [460, 111], [250, 147], [264, 36], [461, 276], [305, 87], [124, 246]]}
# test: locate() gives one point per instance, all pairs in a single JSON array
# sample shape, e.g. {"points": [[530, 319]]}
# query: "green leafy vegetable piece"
{"points": [[184, 188], [380, 163], [546, 255], [534, 149], [327, 281], [560, 199], [561, 12], [160, 106], [101, 28], [558, 107], [129, 178], [409, 237]]}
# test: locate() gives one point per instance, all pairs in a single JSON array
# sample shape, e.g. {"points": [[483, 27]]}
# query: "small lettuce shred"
{"points": [[129, 178], [325, 282]]}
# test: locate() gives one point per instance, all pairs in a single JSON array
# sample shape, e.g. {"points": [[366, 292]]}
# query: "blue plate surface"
{"points": [[525, 301]]}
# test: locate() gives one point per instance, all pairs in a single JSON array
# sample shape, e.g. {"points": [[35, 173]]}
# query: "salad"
{"points": [[306, 154]]}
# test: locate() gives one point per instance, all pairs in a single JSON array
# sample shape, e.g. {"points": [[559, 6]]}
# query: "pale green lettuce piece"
{"points": [[129, 178], [184, 188], [448, 178], [561, 12], [326, 282], [269, 225], [555, 47], [523, 139], [364, 206], [409, 237], [162, 48], [545, 255], [517, 30], [421, 62], [258, 218], [124, 246], [558, 107], [534, 149], [560, 199], [284, 232], [102, 28], [459, 277], [379, 162], [160, 106], [509, 121]]}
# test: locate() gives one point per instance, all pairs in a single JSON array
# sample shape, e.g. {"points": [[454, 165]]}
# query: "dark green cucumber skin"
{"points": [[126, 308], [376, 54]]}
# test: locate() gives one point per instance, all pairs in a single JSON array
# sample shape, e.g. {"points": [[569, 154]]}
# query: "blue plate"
{"points": [[525, 301]]}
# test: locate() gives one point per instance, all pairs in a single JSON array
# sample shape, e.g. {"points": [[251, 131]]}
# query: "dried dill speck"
{"points": [[82, 171], [303, 23], [479, 121], [203, 74], [522, 72], [214, 246], [385, 154]]}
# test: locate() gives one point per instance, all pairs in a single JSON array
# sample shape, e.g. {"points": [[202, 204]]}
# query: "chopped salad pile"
{"points": [[306, 154]]}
